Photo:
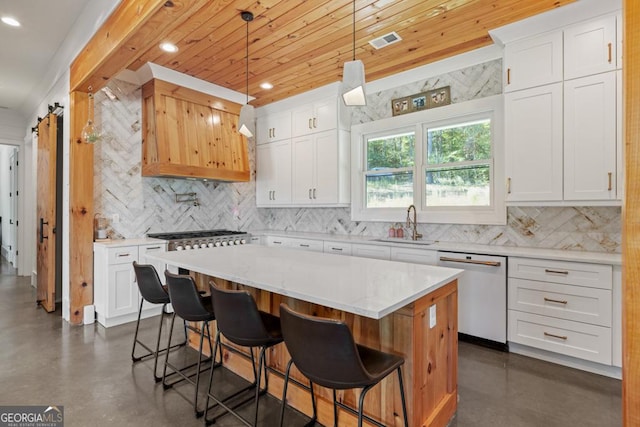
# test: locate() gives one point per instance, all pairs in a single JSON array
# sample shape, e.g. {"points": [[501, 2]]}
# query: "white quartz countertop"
{"points": [[512, 251], [367, 287]]}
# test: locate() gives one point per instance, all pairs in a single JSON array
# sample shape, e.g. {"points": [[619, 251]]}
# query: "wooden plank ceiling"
{"points": [[300, 45]]}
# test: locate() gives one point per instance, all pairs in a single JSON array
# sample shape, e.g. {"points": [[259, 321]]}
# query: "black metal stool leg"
{"points": [[155, 363], [335, 410], [166, 356], [284, 391], [199, 413], [361, 406], [135, 336], [404, 403]]}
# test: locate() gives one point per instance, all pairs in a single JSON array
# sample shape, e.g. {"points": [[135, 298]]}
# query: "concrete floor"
{"points": [[88, 369]]}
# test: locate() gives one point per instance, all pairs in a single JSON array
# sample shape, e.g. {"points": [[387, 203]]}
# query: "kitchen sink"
{"points": [[421, 242]]}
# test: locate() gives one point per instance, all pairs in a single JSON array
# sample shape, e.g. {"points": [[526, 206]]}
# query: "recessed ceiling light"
{"points": [[10, 21], [266, 85], [169, 47]]}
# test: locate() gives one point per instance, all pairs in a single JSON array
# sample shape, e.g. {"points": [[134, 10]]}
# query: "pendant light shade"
{"points": [[247, 119], [353, 83], [353, 92]]}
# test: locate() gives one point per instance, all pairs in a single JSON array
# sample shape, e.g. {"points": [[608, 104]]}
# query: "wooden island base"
{"points": [[431, 357]]}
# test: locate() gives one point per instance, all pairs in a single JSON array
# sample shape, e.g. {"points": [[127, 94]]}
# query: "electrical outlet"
{"points": [[432, 316], [115, 218]]}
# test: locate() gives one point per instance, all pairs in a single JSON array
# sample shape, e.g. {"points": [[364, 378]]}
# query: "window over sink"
{"points": [[446, 161]]}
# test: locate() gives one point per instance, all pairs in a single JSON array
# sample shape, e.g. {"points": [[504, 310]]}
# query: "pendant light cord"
{"points": [[247, 74], [354, 30]]}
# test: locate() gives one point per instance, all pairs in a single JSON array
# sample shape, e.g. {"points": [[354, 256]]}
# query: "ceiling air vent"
{"points": [[386, 40]]}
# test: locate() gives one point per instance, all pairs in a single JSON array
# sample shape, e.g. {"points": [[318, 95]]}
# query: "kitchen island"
{"points": [[407, 309]]}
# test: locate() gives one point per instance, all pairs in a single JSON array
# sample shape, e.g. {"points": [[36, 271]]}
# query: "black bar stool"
{"points": [[191, 306], [153, 292], [325, 352], [240, 321]]}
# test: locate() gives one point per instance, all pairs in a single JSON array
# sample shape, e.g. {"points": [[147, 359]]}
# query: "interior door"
{"points": [[46, 243], [13, 209]]}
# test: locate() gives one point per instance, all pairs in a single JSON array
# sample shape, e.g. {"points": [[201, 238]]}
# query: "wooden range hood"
{"points": [[190, 134]]}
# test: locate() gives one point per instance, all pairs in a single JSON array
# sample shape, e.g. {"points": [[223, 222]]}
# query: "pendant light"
{"points": [[90, 131], [353, 75], [246, 121]]}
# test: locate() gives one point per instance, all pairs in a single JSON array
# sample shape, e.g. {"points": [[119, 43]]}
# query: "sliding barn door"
{"points": [[46, 255]]}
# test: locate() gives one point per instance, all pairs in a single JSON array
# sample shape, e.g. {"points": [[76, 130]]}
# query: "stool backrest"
{"points": [[322, 349], [238, 317], [149, 284], [185, 299]]}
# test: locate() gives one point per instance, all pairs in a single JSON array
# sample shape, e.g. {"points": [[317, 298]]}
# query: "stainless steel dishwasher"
{"points": [[482, 297]]}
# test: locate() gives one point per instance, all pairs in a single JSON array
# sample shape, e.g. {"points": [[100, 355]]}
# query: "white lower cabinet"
{"points": [[339, 248], [416, 256], [371, 251], [562, 307], [116, 295]]}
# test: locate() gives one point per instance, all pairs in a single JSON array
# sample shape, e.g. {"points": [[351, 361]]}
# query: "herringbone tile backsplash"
{"points": [[147, 205]]}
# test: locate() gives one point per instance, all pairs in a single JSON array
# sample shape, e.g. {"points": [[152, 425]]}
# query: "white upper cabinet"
{"points": [[320, 170], [273, 173], [274, 127], [315, 117], [590, 48], [533, 133], [533, 62], [590, 138]]}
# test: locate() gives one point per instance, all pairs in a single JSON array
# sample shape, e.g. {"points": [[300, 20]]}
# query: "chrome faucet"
{"points": [[414, 228]]}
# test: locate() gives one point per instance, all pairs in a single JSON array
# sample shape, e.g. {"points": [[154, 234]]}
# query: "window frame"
{"points": [[419, 122]]}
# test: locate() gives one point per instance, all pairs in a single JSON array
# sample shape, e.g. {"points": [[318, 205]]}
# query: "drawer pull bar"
{"points": [[153, 247], [336, 249], [302, 245], [471, 261], [547, 334], [546, 270], [555, 300], [122, 255]]}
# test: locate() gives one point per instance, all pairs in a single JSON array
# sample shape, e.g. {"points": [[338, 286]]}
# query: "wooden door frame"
{"points": [[631, 218]]}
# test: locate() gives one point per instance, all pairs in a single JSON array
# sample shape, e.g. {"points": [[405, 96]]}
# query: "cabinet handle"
{"points": [[303, 245], [123, 255], [275, 242], [310, 124], [508, 76], [314, 193], [309, 194], [564, 272], [336, 249], [153, 247], [269, 132], [274, 132], [610, 184], [508, 185], [547, 334], [274, 195], [609, 48], [315, 122], [471, 261], [555, 300]]}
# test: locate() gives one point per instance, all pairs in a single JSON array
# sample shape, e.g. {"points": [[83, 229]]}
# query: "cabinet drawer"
{"points": [[574, 339], [570, 273], [123, 255], [371, 251], [306, 245], [416, 256], [278, 241], [577, 303], [339, 248]]}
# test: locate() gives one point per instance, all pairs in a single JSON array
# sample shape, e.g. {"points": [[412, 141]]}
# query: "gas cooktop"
{"points": [[187, 240]]}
